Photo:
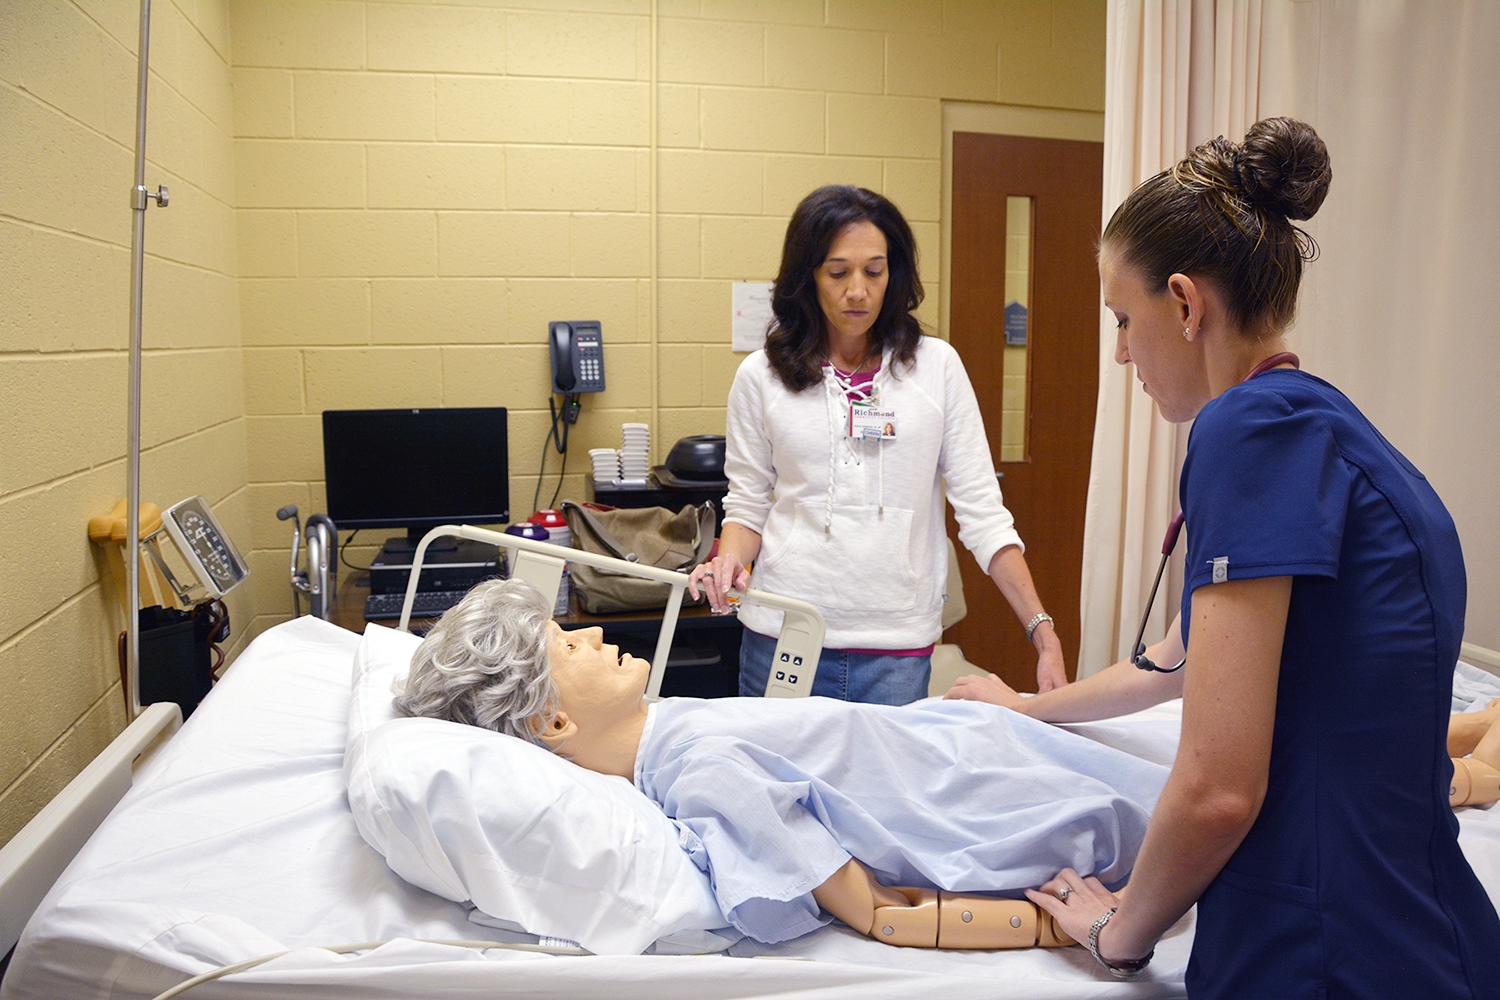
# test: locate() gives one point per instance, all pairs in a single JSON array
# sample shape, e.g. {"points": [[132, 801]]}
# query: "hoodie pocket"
{"points": [[863, 563]]}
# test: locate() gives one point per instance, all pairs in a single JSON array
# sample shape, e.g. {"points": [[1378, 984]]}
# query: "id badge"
{"points": [[870, 424]]}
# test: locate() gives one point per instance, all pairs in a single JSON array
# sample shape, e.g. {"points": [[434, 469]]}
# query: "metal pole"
{"points": [[139, 197]]}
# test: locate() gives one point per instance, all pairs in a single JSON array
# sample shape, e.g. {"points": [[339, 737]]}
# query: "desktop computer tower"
{"points": [[452, 567]]}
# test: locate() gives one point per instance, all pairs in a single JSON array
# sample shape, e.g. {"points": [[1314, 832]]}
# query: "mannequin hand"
{"points": [[1051, 672], [1087, 900], [986, 687], [717, 578]]}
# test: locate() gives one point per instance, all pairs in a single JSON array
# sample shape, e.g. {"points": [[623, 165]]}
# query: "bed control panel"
{"points": [[795, 661]]}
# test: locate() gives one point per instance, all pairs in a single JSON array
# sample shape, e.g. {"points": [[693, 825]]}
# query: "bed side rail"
{"points": [[33, 859], [541, 564], [1478, 655]]}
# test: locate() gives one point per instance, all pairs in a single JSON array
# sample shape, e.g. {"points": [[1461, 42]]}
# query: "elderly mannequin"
{"points": [[787, 804]]}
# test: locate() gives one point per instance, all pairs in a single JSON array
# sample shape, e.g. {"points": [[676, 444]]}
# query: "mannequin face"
{"points": [[594, 682], [852, 280], [1169, 365]]}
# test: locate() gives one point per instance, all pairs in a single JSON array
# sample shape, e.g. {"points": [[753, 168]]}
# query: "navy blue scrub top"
{"points": [[1351, 882]]}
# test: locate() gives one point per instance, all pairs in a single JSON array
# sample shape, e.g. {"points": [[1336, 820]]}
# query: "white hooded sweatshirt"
{"points": [[852, 526]]}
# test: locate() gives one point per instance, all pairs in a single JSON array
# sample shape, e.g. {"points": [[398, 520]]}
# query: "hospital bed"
{"points": [[241, 838]]}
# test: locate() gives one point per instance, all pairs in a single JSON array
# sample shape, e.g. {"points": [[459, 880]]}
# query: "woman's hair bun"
{"points": [[1283, 164]]}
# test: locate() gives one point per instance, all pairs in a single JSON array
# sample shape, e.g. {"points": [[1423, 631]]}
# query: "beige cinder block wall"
{"points": [[67, 151], [382, 204], [422, 188]]}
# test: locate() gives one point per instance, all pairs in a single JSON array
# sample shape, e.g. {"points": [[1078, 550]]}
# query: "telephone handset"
{"points": [[577, 350]]}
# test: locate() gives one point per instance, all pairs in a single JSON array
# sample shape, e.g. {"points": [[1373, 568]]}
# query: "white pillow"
{"points": [[383, 655], [533, 840]]}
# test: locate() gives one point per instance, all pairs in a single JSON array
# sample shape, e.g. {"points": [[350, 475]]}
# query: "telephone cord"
{"points": [[562, 449]]}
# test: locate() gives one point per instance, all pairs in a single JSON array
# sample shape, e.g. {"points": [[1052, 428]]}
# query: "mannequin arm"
{"points": [[1468, 730], [928, 918], [1474, 782], [1476, 779]]}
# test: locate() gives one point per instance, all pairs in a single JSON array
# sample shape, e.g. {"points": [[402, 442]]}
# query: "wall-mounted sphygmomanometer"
{"points": [[210, 555]]}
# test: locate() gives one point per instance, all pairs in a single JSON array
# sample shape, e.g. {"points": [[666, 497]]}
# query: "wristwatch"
{"points": [[1041, 616], [1126, 969]]}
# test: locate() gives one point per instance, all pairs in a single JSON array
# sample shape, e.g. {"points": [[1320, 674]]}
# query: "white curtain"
{"points": [[1177, 73], [1400, 311]]}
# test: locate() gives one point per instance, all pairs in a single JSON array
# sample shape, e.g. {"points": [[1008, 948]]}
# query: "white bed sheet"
{"points": [[237, 841]]}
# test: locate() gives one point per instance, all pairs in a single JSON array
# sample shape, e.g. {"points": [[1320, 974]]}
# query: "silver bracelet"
{"points": [[1041, 616], [1128, 969]]}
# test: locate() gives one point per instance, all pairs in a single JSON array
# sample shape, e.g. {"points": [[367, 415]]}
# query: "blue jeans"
{"points": [[875, 678]]}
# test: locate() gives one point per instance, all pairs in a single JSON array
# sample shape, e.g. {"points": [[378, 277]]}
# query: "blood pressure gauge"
{"points": [[204, 547]]}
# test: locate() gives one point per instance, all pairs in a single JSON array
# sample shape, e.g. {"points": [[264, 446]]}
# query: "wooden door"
{"points": [[1047, 486]]}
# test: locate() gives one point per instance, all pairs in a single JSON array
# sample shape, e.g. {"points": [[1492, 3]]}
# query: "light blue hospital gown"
{"points": [[772, 796]]}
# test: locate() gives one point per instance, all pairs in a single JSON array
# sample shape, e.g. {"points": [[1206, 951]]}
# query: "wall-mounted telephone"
{"points": [[577, 356]]}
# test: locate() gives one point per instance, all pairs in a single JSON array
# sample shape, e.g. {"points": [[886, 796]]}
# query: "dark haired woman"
{"points": [[844, 435], [1307, 813]]}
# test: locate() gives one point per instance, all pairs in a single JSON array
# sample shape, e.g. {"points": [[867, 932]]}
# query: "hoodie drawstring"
{"points": [[840, 392]]}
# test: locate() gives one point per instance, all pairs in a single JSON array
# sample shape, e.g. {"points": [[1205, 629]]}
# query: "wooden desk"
{"points": [[704, 661]]}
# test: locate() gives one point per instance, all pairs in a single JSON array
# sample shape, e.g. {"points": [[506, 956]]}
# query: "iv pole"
{"points": [[139, 197]]}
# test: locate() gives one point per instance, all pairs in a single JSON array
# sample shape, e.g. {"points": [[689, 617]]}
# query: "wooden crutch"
{"points": [[110, 529]]}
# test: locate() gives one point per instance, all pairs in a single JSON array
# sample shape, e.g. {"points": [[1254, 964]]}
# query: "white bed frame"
{"points": [[541, 565], [32, 860], [1480, 657]]}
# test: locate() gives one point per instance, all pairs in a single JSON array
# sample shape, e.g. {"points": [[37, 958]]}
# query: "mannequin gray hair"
{"points": [[486, 663]]}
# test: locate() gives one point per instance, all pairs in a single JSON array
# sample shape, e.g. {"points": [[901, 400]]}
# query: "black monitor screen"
{"points": [[416, 469]]}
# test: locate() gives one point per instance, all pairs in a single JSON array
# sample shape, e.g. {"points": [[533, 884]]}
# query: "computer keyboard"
{"points": [[427, 604]]}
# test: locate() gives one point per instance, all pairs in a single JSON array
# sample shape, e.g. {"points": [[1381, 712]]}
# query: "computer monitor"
{"points": [[416, 468]]}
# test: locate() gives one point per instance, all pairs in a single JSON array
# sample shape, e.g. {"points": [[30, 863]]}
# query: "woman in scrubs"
{"points": [[1307, 812]]}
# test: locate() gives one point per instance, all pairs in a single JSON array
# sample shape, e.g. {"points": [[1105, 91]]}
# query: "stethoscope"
{"points": [[1169, 542], [1139, 657]]}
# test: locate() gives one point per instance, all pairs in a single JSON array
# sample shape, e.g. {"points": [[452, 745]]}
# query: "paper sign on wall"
{"points": [[750, 308]]}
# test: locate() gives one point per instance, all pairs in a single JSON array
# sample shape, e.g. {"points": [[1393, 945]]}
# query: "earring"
{"points": [[1186, 332]]}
